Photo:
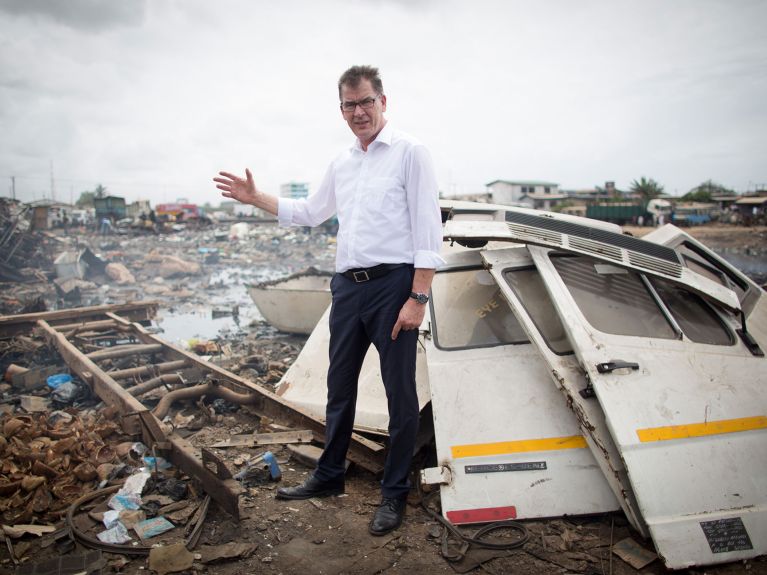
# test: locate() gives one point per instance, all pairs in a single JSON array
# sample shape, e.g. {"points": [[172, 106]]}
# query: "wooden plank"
{"points": [[256, 439], [13, 325]]}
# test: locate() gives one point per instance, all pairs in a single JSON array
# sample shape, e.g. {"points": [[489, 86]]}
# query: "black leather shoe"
{"points": [[310, 488], [388, 516]]}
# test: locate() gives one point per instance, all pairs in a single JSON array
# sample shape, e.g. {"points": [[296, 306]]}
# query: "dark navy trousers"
{"points": [[361, 314]]}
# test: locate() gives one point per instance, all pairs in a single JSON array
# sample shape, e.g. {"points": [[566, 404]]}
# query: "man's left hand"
{"points": [[410, 317]]}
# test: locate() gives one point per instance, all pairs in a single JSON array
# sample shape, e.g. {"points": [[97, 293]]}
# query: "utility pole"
{"points": [[13, 187], [53, 188]]}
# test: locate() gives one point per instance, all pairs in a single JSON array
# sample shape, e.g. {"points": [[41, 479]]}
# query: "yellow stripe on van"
{"points": [[701, 429], [506, 447]]}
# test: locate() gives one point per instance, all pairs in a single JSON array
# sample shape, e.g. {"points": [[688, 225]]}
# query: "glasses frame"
{"points": [[365, 104]]}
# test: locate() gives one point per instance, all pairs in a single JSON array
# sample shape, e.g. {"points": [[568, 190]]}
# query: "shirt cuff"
{"points": [[427, 259], [284, 212]]}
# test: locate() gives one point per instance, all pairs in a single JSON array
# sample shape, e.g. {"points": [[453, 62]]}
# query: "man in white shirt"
{"points": [[384, 192]]}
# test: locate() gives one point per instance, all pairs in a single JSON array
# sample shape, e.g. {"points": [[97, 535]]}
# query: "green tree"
{"points": [[100, 191], [85, 200], [705, 191], [646, 188]]}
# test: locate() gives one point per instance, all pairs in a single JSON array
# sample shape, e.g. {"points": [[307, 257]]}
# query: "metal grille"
{"points": [[629, 243]]}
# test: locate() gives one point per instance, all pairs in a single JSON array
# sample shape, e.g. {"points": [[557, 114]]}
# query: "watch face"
{"points": [[420, 297]]}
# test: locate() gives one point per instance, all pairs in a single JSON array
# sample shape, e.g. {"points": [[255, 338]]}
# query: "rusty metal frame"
{"points": [[139, 420]]}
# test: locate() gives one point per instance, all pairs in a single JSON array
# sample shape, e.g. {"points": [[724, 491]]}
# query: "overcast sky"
{"points": [[151, 98]]}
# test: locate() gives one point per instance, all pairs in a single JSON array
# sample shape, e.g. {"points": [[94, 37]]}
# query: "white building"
{"points": [[294, 190], [528, 193]]}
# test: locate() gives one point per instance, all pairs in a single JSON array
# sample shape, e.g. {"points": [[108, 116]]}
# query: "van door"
{"points": [[507, 444], [684, 400], [523, 289]]}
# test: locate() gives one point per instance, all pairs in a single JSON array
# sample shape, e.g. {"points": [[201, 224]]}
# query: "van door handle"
{"points": [[610, 366]]}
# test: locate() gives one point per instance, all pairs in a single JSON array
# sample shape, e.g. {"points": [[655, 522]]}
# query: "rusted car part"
{"points": [[69, 319], [165, 362]]}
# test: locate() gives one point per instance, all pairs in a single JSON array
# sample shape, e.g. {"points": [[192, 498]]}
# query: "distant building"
{"points": [[238, 210], [294, 190], [48, 214], [531, 193], [112, 207], [752, 206], [137, 208]]}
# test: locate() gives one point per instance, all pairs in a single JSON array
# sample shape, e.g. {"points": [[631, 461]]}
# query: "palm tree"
{"points": [[647, 188]]}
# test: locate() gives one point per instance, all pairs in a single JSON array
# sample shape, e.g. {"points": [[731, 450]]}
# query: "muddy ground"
{"points": [[314, 536]]}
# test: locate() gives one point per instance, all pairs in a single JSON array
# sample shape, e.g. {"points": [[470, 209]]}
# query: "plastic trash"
{"points": [[126, 501], [111, 518], [153, 463], [258, 473], [173, 488], [66, 392], [116, 535], [54, 381], [152, 527]]}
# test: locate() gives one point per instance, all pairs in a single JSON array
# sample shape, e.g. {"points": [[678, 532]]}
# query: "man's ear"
{"points": [[383, 102]]}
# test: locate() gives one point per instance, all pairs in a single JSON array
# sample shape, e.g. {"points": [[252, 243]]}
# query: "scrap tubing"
{"points": [[97, 325], [149, 385], [165, 367], [125, 351], [198, 391]]}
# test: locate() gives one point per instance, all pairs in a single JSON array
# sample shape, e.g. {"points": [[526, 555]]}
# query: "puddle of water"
{"points": [[227, 290]]}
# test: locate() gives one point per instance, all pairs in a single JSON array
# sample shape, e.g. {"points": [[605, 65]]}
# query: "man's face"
{"points": [[365, 123]]}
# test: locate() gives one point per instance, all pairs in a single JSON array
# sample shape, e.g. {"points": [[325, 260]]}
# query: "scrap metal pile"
{"points": [[57, 456], [22, 249]]}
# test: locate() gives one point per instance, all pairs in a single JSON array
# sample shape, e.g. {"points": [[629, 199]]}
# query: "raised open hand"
{"points": [[236, 188]]}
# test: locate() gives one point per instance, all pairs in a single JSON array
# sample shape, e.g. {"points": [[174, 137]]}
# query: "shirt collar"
{"points": [[384, 137]]}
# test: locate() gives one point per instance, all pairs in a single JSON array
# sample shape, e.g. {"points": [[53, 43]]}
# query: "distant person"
{"points": [[640, 220], [384, 191], [106, 226]]}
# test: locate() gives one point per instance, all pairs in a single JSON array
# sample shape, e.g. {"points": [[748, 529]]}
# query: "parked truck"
{"points": [[655, 212]]}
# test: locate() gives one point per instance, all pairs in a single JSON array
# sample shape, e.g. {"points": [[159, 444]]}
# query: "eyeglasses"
{"points": [[365, 104]]}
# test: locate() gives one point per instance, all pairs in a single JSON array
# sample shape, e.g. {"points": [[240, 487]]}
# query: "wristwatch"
{"points": [[421, 298]]}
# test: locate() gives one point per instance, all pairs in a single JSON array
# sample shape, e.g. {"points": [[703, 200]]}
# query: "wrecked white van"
{"points": [[572, 369]]}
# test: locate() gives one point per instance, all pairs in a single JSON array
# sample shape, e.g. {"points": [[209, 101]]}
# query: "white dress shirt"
{"points": [[386, 200]]}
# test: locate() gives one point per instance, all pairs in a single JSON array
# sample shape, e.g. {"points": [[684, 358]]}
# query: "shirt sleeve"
{"points": [[423, 204], [311, 211]]}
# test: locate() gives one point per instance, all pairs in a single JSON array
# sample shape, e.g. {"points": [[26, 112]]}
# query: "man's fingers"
{"points": [[395, 331], [228, 175]]}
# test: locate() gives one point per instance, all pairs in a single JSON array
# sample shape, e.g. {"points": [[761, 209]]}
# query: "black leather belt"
{"points": [[361, 275]]}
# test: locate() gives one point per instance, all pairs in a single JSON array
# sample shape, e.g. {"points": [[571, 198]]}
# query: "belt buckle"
{"points": [[361, 276]]}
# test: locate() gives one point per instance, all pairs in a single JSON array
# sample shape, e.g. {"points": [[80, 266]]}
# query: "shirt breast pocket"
{"points": [[380, 189]]}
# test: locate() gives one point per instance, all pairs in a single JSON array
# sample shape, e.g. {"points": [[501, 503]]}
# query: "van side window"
{"points": [[617, 302], [529, 288], [468, 310], [696, 318]]}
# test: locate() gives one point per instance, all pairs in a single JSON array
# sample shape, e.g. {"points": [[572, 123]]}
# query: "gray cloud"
{"points": [[576, 93], [91, 15]]}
